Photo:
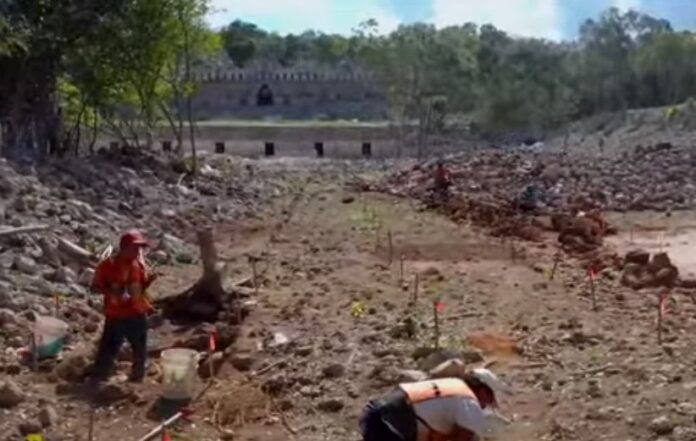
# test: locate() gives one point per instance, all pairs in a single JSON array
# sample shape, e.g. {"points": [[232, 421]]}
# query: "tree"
{"points": [[241, 40], [421, 69]]}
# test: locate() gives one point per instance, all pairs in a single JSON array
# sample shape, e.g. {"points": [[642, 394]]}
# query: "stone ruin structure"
{"points": [[306, 90]]}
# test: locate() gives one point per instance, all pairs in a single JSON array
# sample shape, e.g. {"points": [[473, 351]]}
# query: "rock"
{"points": [[304, 351], [331, 405], [274, 385], [64, 274], [279, 339], [684, 434], [159, 256], [217, 360], [242, 362], [665, 276], [348, 199], [26, 264], [11, 394], [436, 358], [30, 427], [7, 317], [662, 426], [48, 416], [448, 369], [433, 272], [659, 261], [86, 277], [335, 370], [72, 368], [639, 257], [112, 393], [411, 376]]}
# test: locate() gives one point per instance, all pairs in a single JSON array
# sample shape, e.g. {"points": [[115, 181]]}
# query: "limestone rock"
{"points": [[48, 416], [331, 405], [26, 264], [662, 425], [335, 370], [7, 317], [11, 394], [639, 257]]}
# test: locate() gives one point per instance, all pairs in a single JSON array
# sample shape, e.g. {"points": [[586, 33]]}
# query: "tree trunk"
{"points": [[206, 299], [189, 99]]}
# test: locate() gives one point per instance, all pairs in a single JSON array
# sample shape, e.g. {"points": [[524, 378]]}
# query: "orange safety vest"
{"points": [[430, 390]]}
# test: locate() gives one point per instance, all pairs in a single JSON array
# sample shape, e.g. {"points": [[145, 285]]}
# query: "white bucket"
{"points": [[49, 333], [179, 373]]}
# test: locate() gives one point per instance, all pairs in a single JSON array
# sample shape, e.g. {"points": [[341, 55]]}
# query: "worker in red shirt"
{"points": [[450, 409], [123, 280], [442, 179]]}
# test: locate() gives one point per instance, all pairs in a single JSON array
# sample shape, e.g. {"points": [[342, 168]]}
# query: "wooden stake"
{"points": [[415, 288], [556, 259], [391, 247], [661, 241], [377, 238], [252, 261], [90, 430], [513, 250], [592, 289], [33, 346], [211, 364], [659, 321], [436, 314], [401, 270]]}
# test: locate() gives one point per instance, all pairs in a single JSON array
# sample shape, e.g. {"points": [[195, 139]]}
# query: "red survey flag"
{"points": [[165, 435], [439, 307], [212, 341], [592, 273], [664, 297]]}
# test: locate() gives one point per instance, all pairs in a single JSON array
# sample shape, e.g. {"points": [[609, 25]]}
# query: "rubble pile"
{"points": [[641, 270], [73, 211], [659, 178]]}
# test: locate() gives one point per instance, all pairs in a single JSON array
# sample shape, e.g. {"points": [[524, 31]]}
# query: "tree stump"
{"points": [[206, 299]]}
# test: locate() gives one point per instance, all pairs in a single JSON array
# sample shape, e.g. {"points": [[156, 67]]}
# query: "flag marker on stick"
{"points": [[438, 308], [391, 247], [592, 275], [212, 347], [556, 260], [663, 297]]}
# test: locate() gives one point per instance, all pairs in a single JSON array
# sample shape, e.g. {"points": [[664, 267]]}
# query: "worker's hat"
{"points": [[491, 380]]}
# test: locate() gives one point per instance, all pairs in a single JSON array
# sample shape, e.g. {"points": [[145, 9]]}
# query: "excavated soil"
{"points": [[325, 334]]}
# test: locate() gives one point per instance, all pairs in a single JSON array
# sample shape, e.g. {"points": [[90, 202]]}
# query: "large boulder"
{"points": [[639, 257]]}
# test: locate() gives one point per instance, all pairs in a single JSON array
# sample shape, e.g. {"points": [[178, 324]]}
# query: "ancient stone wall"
{"points": [[300, 92]]}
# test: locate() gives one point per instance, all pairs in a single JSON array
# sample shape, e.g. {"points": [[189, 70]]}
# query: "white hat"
{"points": [[491, 380]]}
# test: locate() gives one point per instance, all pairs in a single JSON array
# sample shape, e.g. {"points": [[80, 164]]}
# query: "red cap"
{"points": [[133, 237]]}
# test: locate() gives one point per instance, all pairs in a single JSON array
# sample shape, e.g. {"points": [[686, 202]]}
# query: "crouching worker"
{"points": [[123, 280], [450, 409]]}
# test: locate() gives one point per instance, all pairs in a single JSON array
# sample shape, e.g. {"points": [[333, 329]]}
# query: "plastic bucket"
{"points": [[49, 333], [179, 373]]}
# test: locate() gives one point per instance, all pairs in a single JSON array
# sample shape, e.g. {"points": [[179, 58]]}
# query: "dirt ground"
{"points": [[578, 374]]}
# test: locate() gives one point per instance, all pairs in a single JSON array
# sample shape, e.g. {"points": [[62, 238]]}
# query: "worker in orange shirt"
{"points": [[448, 409], [123, 280]]}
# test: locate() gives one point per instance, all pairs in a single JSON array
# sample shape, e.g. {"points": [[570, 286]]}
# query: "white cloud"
{"points": [[292, 16], [529, 18], [625, 5]]}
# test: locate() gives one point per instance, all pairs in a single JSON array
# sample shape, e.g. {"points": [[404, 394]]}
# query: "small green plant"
{"points": [[367, 218]]}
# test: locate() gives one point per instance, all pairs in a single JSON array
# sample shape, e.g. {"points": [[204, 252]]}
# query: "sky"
{"points": [[554, 19]]}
